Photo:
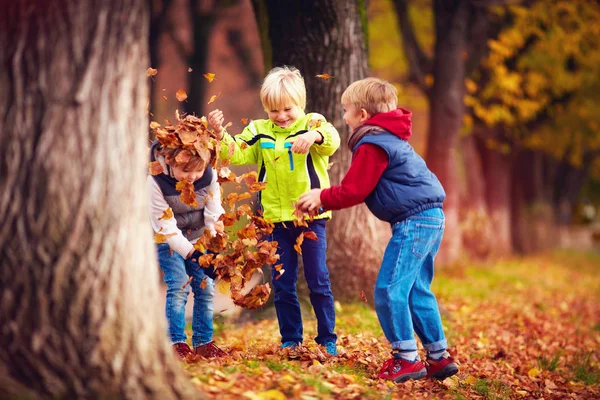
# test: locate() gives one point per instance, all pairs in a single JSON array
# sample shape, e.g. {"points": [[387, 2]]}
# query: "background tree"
{"points": [[328, 36], [80, 315]]}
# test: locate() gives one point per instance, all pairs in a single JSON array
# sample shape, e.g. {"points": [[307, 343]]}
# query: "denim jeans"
{"points": [[403, 299], [177, 270], [317, 278]]}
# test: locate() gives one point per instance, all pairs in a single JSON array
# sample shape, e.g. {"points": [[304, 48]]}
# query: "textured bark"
{"points": [[80, 314], [319, 37]]}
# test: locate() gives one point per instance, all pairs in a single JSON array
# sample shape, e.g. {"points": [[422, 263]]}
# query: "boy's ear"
{"points": [[364, 115]]}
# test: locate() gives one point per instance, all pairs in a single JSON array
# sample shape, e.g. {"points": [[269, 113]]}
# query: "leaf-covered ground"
{"points": [[520, 329]]}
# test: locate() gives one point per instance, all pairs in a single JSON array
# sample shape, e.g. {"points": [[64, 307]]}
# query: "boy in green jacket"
{"points": [[292, 151]]}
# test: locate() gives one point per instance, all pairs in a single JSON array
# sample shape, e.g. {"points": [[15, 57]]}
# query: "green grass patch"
{"points": [[492, 390], [584, 370], [549, 364], [317, 384]]}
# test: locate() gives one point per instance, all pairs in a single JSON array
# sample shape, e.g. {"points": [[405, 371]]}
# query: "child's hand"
{"points": [[215, 120], [310, 201], [303, 142]]}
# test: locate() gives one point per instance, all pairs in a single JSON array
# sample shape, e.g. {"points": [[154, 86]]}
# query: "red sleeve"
{"points": [[368, 164]]}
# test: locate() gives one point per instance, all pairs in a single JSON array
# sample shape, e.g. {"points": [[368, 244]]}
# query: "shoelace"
{"points": [[212, 350], [182, 351]]}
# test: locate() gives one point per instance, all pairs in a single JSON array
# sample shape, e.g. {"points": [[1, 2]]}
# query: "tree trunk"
{"points": [[80, 315], [475, 222], [318, 37], [497, 173], [447, 111]]}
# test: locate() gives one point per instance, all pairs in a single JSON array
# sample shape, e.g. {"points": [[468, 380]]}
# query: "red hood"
{"points": [[397, 122]]}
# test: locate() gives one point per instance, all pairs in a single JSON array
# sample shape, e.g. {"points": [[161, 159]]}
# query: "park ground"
{"points": [[526, 328]]}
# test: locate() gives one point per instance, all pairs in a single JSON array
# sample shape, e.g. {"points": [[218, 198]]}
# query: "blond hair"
{"points": [[373, 94], [283, 86]]}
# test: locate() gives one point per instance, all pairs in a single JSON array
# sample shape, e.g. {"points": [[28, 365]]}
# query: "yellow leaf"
{"points": [[213, 98], [151, 72], [533, 372], [470, 380], [209, 76], [154, 125], [223, 287]]}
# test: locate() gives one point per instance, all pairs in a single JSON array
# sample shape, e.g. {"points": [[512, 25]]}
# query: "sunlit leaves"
{"points": [[151, 72], [155, 168], [181, 95], [188, 194], [209, 76]]}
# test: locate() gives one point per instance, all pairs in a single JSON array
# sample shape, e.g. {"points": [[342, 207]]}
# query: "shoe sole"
{"points": [[414, 376], [446, 372]]}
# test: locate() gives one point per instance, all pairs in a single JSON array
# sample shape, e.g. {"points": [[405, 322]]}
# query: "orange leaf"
{"points": [[188, 195], [299, 241], [162, 238], [181, 95], [204, 283], [188, 282], [164, 98], [324, 76], [244, 121], [310, 235], [244, 146], [209, 76], [151, 72], [363, 296], [167, 214], [231, 149], [155, 168]]}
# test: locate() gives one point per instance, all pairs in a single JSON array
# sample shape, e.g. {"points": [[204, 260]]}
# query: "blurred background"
{"points": [[504, 98]]}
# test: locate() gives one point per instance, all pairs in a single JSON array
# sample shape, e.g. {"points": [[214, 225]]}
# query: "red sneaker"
{"points": [[182, 350], [399, 370], [442, 368], [209, 350]]}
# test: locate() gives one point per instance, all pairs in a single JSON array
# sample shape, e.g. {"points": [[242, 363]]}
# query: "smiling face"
{"points": [[353, 117], [284, 116]]}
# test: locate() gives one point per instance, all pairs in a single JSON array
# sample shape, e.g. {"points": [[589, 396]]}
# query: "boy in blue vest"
{"points": [[397, 186], [177, 257]]}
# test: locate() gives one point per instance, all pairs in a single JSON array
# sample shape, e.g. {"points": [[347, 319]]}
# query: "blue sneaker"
{"points": [[290, 345], [331, 349]]}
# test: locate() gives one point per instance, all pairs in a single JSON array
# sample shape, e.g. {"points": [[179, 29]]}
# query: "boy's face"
{"points": [[353, 117], [284, 116], [190, 176]]}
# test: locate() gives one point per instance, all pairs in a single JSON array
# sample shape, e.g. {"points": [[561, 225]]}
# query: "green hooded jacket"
{"points": [[288, 175]]}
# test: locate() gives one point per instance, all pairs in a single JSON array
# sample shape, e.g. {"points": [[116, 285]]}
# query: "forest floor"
{"points": [[519, 329]]}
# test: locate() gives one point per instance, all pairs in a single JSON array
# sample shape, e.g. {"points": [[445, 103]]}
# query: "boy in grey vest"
{"points": [[177, 258]]}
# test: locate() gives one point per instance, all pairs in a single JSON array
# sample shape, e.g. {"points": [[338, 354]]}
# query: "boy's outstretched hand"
{"points": [[310, 201], [215, 120], [304, 141]]}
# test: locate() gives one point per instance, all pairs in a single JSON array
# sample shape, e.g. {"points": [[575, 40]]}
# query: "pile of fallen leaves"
{"points": [[519, 329], [235, 259]]}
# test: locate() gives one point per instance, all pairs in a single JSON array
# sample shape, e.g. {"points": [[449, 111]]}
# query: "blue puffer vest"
{"points": [[190, 220], [407, 186]]}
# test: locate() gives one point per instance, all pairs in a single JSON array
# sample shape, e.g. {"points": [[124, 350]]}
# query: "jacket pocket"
{"points": [[428, 237]]}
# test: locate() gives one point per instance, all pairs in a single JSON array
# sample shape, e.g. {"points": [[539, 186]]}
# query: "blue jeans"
{"points": [[177, 270], [317, 278], [403, 298]]}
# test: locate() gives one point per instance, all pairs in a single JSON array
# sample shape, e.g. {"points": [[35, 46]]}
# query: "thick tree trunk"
{"points": [[80, 315], [447, 111], [318, 37]]}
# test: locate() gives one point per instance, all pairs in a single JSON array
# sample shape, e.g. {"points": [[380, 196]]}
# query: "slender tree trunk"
{"points": [[497, 172], [475, 221], [318, 37], [447, 111], [80, 315]]}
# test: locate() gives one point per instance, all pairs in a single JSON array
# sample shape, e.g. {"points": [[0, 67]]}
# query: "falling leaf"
{"points": [[223, 287], [167, 214], [188, 195], [227, 125], [181, 95], [154, 125], [310, 235], [151, 72], [164, 98], [213, 98], [324, 76], [204, 283], [299, 241], [209, 76], [243, 145], [162, 238], [188, 282], [244, 121], [231, 149], [329, 165], [190, 69], [155, 168], [363, 296]]}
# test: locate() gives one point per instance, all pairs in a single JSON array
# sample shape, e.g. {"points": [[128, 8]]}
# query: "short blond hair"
{"points": [[373, 94], [283, 86]]}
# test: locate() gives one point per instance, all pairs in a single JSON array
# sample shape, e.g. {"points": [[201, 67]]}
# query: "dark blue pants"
{"points": [[317, 278]]}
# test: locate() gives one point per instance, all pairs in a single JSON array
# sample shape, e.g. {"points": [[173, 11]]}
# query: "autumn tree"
{"points": [[328, 37], [80, 314]]}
